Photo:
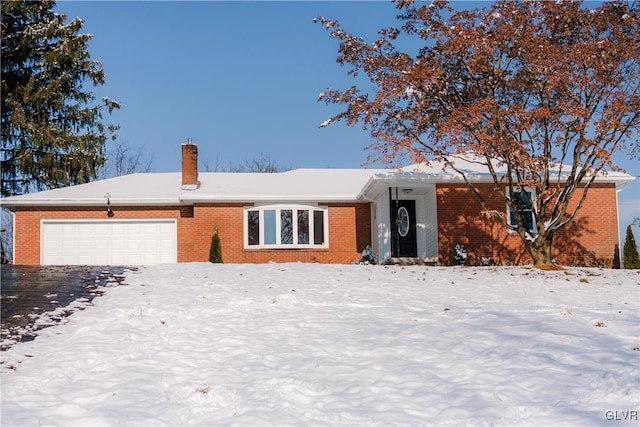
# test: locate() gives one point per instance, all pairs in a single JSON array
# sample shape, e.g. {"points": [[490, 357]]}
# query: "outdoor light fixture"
{"points": [[407, 190], [109, 211]]}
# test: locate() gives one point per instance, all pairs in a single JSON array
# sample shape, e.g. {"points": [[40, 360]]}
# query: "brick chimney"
{"points": [[189, 166]]}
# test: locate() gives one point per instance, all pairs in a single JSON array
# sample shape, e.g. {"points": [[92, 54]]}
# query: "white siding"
{"points": [[426, 223], [384, 234], [431, 223]]}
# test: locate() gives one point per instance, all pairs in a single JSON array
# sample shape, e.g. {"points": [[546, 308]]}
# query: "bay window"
{"points": [[285, 226]]}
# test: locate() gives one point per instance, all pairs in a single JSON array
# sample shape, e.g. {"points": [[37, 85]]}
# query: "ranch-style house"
{"points": [[417, 214]]}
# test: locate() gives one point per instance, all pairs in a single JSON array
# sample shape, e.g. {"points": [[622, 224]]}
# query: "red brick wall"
{"points": [[349, 231], [590, 240]]}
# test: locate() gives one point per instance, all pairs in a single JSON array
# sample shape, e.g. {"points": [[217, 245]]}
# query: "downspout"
{"points": [[13, 238], [620, 252], [391, 237], [374, 233], [395, 226], [390, 220]]}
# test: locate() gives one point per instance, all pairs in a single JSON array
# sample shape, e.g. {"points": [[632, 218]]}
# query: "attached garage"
{"points": [[108, 242]]}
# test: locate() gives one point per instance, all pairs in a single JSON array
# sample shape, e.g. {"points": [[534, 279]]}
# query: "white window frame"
{"points": [[279, 245], [532, 196]]}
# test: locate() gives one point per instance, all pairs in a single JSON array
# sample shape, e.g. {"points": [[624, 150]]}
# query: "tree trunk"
{"points": [[540, 251]]}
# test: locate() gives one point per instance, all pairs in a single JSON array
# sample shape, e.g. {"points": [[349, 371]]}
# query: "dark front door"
{"points": [[403, 228]]}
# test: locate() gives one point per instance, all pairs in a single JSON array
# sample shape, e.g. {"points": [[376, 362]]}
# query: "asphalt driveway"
{"points": [[29, 292]]}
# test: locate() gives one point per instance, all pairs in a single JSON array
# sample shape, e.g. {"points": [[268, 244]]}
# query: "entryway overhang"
{"points": [[403, 217], [405, 183]]}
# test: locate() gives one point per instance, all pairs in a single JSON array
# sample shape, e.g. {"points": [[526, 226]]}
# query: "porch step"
{"points": [[411, 261]]}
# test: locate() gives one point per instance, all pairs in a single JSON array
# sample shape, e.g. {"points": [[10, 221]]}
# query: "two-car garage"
{"points": [[108, 242]]}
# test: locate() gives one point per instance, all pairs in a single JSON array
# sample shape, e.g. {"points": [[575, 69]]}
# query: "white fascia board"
{"points": [[363, 194], [407, 179], [89, 202], [249, 198], [375, 185], [403, 178], [620, 181]]}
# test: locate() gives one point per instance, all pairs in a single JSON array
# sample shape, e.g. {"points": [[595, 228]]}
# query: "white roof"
{"points": [[138, 189], [474, 169], [294, 185], [298, 185], [145, 189]]}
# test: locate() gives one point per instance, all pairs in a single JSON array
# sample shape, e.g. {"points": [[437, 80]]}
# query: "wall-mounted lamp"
{"points": [[407, 190], [109, 211]]}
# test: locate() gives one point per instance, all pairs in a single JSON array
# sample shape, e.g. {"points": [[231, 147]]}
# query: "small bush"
{"points": [[368, 257], [460, 256], [487, 261], [215, 251]]}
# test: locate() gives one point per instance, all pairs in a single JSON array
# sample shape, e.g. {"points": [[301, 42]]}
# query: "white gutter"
{"points": [[182, 200], [620, 251], [90, 202], [365, 189], [620, 255], [269, 197], [13, 238]]}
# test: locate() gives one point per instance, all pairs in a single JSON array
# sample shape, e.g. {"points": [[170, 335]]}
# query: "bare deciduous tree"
{"points": [[261, 164], [123, 160]]}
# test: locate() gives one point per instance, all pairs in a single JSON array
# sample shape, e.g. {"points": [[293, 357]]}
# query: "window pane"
{"points": [[528, 219], [270, 227], [286, 226], [523, 199], [524, 203], [253, 227], [303, 227], [318, 227]]}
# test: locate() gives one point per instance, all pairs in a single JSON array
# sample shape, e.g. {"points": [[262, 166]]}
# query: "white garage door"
{"points": [[108, 242]]}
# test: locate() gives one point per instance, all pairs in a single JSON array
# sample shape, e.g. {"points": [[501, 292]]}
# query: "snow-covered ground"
{"points": [[313, 345]]}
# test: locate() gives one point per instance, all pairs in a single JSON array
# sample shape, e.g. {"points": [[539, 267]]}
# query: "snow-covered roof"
{"points": [[474, 169], [146, 189], [294, 185], [472, 166], [298, 185], [134, 189]]}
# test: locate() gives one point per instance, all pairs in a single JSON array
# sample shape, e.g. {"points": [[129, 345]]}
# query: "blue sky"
{"points": [[240, 78]]}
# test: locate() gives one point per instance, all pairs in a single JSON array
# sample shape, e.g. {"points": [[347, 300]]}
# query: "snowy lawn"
{"points": [[313, 345]]}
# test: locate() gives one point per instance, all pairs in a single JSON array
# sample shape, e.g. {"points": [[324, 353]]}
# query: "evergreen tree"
{"points": [[630, 251], [52, 130], [215, 251]]}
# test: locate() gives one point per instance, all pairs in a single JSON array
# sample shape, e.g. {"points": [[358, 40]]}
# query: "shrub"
{"points": [[368, 257], [460, 256], [487, 261], [215, 252]]}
